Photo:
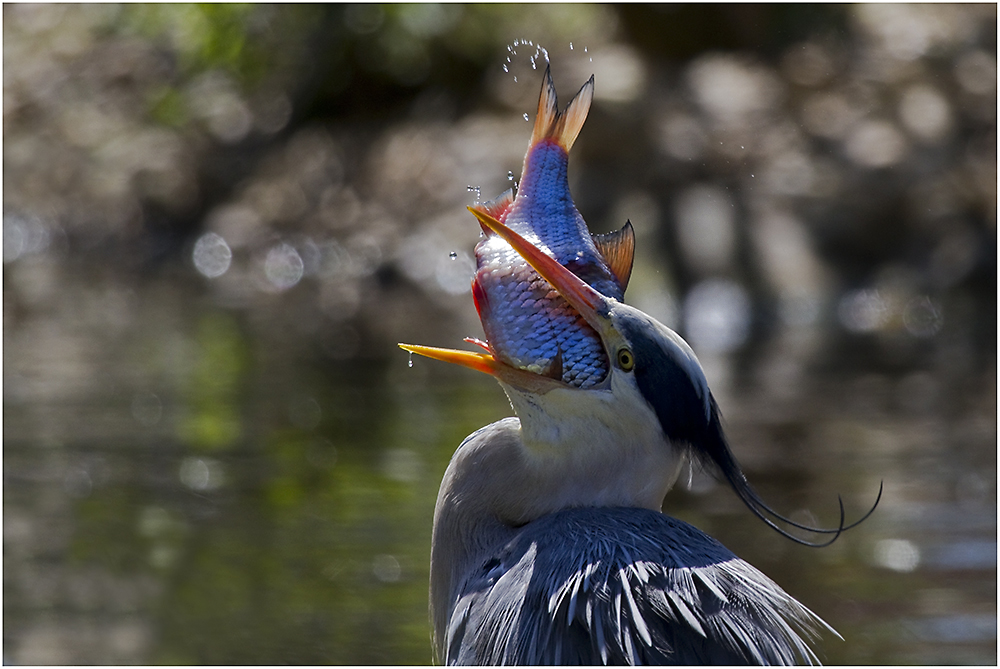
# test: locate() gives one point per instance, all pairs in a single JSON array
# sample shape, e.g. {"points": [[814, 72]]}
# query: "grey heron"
{"points": [[549, 545]]}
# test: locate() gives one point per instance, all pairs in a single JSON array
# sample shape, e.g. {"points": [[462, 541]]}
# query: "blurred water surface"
{"points": [[219, 220]]}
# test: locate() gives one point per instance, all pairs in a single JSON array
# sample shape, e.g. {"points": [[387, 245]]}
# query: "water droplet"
{"points": [[570, 46], [525, 113], [475, 189], [515, 42], [510, 175], [532, 59], [409, 362], [585, 49], [515, 80], [505, 69], [453, 255]]}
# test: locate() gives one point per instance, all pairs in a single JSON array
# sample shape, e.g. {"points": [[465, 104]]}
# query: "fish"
{"points": [[528, 325]]}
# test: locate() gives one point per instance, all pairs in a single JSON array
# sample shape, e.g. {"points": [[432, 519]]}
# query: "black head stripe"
{"points": [[672, 382], [665, 382]]}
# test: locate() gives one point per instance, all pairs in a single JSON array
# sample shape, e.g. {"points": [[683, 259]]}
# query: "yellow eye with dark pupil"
{"points": [[625, 359]]}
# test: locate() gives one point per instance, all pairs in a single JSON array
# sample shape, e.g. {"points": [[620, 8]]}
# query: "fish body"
{"points": [[527, 323]]}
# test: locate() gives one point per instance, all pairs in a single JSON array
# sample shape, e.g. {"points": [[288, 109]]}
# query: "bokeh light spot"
{"points": [[875, 144], [201, 474], [925, 113], [863, 311], [212, 255], [922, 317], [283, 266], [146, 409], [897, 555], [705, 227], [386, 568], [717, 315]]}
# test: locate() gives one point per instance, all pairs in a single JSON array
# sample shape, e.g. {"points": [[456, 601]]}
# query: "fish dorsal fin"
{"points": [[497, 208], [618, 250], [563, 127]]}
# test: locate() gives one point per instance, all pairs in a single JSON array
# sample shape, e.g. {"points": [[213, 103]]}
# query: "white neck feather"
{"points": [[595, 447]]}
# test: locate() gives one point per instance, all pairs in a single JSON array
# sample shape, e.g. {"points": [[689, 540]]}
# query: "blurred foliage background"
{"points": [[219, 220]]}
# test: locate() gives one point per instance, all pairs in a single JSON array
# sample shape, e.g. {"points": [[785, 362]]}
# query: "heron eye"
{"points": [[625, 359]]}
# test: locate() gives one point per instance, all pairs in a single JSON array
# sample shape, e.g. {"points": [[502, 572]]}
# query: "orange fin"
{"points": [[618, 249], [563, 127], [497, 208]]}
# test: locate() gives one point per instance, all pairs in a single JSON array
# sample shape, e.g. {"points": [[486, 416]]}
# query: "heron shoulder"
{"points": [[622, 585]]}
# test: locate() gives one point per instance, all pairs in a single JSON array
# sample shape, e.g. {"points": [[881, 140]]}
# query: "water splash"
{"points": [[478, 190], [540, 52]]}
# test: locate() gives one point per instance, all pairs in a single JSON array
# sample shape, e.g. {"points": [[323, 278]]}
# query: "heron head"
{"points": [[651, 367], [643, 353], [648, 361]]}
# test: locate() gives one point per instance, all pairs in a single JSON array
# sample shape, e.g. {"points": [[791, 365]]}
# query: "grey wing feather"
{"points": [[624, 586]]}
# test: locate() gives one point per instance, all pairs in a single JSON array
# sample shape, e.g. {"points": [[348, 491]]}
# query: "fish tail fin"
{"points": [[563, 127], [496, 208]]}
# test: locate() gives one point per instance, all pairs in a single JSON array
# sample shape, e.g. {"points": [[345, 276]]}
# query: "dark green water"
{"points": [[180, 486]]}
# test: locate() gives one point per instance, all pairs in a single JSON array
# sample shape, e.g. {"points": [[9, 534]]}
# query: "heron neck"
{"points": [[466, 526], [593, 448], [600, 452]]}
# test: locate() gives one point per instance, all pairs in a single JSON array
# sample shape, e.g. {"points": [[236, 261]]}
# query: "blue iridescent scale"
{"points": [[528, 324]]}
